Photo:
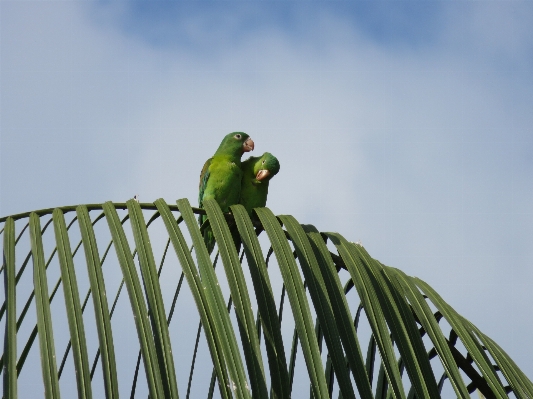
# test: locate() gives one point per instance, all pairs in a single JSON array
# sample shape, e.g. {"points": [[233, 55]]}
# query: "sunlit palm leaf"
{"points": [[217, 307], [10, 343], [322, 304], [374, 312], [266, 304], [101, 309], [154, 299], [298, 300], [44, 317], [241, 299], [430, 325], [72, 300], [135, 293], [340, 307], [472, 345], [199, 293], [396, 308]]}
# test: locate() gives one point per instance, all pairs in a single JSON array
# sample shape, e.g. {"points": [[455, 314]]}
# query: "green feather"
{"points": [[254, 192], [221, 177]]}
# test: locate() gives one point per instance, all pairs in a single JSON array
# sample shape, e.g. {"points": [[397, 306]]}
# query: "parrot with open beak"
{"points": [[257, 173], [221, 177]]}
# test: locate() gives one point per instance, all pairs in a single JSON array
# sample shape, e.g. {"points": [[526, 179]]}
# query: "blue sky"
{"points": [[407, 125], [388, 23]]}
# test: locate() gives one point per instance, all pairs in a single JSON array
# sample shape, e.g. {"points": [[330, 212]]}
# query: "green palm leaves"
{"points": [[340, 301]]}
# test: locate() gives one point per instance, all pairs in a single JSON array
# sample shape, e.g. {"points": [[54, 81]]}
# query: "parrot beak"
{"points": [[248, 145], [262, 174]]}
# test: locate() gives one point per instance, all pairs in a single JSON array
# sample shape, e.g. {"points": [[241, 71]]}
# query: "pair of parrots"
{"points": [[229, 181]]}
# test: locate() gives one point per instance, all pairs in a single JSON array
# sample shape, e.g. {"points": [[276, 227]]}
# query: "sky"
{"points": [[405, 125]]}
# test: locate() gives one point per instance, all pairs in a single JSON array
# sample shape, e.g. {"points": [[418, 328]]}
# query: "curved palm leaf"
{"points": [[396, 310]]}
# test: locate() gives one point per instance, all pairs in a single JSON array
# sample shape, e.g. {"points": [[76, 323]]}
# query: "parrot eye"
{"points": [[237, 136], [262, 163]]}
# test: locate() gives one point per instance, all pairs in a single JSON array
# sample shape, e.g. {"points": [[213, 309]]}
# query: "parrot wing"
{"points": [[204, 177]]}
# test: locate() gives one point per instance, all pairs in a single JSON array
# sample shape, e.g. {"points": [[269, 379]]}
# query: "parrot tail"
{"points": [[207, 233], [209, 239]]}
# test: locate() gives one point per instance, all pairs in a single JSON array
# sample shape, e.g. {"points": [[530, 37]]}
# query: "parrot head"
{"points": [[266, 167], [236, 143]]}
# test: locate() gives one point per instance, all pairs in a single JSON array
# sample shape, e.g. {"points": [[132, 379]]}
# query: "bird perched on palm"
{"points": [[257, 173], [221, 177]]}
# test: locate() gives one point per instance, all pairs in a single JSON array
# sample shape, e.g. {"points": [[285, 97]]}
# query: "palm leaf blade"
{"points": [[373, 310], [217, 307], [44, 316], [466, 337], [403, 328], [101, 310], [155, 300], [72, 301], [241, 298], [298, 301], [10, 343], [341, 309], [138, 305], [522, 387], [266, 304], [321, 302], [396, 307], [431, 326], [198, 292]]}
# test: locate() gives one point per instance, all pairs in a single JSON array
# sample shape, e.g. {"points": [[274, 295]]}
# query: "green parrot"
{"points": [[221, 177], [257, 172]]}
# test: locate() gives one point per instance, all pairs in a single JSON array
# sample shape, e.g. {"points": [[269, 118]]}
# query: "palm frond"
{"points": [[187, 335]]}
